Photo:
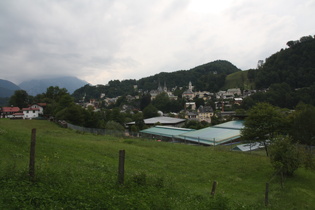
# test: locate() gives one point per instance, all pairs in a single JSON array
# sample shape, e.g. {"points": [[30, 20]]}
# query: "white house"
{"points": [[235, 91], [39, 106], [190, 105], [30, 113]]}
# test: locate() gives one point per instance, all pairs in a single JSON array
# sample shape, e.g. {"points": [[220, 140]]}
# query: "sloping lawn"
{"points": [[79, 171]]}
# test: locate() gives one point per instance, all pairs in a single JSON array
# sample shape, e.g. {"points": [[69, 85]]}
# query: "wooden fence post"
{"points": [[214, 187], [32, 155], [121, 167], [266, 194]]}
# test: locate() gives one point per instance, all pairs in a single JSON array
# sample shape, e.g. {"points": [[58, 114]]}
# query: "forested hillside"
{"points": [[209, 77], [294, 66], [7, 88], [288, 74]]}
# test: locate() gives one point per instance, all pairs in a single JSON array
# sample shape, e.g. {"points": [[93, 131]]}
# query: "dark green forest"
{"points": [[288, 76], [294, 66]]}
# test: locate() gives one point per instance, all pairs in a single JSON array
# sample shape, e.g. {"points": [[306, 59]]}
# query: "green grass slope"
{"points": [[238, 80], [79, 171]]}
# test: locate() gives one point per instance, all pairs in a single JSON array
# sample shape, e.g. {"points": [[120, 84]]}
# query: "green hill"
{"points": [[79, 171], [294, 65], [7, 88], [239, 80], [207, 77]]}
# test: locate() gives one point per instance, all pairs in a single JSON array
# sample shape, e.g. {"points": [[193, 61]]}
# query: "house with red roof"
{"points": [[18, 115], [40, 106], [8, 112]]}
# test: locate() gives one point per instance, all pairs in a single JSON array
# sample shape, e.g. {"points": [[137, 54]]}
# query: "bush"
{"points": [[114, 128], [284, 156], [308, 158]]}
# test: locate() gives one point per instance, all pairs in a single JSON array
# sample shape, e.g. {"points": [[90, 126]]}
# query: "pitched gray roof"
{"points": [[161, 120]]}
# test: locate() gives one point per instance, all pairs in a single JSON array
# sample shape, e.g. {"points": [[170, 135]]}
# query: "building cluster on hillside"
{"points": [[160, 90], [31, 112], [223, 101]]}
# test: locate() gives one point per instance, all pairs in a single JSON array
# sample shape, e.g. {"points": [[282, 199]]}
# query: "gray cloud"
{"points": [[122, 39]]}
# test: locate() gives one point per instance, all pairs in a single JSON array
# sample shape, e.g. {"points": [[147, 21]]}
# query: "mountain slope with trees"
{"points": [[209, 77], [7, 88], [294, 65], [289, 76], [34, 87]]}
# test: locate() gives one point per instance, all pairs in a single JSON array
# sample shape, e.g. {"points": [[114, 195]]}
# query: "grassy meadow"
{"points": [[238, 79], [79, 171]]}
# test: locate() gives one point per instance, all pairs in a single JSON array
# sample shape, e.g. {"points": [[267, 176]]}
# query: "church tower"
{"points": [[165, 88], [190, 87]]}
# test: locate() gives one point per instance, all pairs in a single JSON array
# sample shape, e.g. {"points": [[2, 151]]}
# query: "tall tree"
{"points": [[161, 102], [20, 99], [150, 111], [303, 124], [263, 123], [54, 93], [145, 101], [284, 156]]}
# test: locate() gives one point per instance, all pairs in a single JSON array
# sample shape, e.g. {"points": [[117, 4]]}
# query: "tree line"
{"points": [[288, 136]]}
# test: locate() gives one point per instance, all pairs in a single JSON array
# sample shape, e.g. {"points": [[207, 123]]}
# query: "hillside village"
{"points": [[190, 112], [207, 101], [223, 100]]}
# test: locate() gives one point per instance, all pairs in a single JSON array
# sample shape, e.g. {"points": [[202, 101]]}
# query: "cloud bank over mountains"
{"points": [[99, 41]]}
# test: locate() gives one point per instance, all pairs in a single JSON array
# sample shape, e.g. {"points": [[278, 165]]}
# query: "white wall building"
{"points": [[39, 106], [30, 113]]}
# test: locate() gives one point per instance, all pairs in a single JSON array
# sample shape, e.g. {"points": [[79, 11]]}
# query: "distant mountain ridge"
{"points": [[7, 88], [39, 86], [208, 77]]}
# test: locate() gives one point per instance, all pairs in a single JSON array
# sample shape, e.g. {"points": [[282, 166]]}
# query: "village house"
{"points": [[238, 101], [8, 112], [18, 115], [205, 95], [205, 113], [224, 95], [234, 91], [110, 101], [30, 113], [190, 106], [191, 115], [40, 106], [247, 93]]}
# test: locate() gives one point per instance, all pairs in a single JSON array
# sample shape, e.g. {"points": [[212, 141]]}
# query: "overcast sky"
{"points": [[103, 40]]}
